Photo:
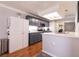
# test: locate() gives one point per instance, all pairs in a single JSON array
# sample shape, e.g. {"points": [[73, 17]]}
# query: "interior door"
{"points": [[16, 36]]}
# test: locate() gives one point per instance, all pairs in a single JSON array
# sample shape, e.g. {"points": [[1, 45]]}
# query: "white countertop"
{"points": [[72, 35]]}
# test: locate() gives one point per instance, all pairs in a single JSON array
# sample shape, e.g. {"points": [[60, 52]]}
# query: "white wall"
{"points": [[77, 23], [4, 15], [52, 26]]}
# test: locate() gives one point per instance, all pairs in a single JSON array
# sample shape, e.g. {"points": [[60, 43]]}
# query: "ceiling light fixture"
{"points": [[53, 16]]}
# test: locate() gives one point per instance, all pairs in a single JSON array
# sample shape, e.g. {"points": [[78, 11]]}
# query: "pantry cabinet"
{"points": [[18, 34]]}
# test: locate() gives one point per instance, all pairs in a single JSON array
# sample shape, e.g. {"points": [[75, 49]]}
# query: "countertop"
{"points": [[72, 35], [39, 31]]}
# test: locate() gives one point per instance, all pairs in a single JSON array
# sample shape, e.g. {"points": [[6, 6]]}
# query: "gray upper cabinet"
{"points": [[33, 22], [45, 22], [30, 22], [36, 22]]}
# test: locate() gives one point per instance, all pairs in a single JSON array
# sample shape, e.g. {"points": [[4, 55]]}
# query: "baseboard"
{"points": [[49, 53]]}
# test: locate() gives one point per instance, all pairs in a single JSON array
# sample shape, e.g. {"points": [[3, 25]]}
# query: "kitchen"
{"points": [[17, 28], [37, 26], [55, 26]]}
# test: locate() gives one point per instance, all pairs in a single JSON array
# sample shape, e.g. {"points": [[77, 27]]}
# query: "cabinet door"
{"points": [[47, 24], [32, 22], [25, 34], [16, 36]]}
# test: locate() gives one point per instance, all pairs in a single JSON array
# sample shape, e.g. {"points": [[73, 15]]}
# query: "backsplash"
{"points": [[33, 28]]}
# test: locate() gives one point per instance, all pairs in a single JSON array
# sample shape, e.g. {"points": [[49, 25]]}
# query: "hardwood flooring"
{"points": [[30, 51]]}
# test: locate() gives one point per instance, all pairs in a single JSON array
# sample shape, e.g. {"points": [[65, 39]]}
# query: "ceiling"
{"points": [[32, 6], [44, 7], [67, 8]]}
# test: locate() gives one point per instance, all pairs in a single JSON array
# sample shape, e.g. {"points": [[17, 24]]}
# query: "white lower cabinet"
{"points": [[60, 46]]}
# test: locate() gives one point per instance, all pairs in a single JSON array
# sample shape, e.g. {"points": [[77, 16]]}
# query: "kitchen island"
{"points": [[61, 44]]}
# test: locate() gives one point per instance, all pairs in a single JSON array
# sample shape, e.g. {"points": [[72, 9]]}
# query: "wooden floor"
{"points": [[30, 51]]}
